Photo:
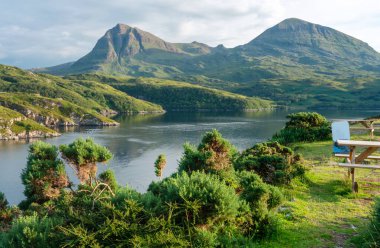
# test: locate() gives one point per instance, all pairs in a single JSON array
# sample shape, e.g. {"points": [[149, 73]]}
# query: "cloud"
{"points": [[37, 33]]}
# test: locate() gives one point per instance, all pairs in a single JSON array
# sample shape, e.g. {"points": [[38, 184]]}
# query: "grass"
{"points": [[320, 210]]}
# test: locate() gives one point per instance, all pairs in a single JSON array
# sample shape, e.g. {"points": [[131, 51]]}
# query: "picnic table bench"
{"points": [[356, 161]]}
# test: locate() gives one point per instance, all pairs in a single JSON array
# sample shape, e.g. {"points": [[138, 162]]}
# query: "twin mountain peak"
{"points": [[132, 51]]}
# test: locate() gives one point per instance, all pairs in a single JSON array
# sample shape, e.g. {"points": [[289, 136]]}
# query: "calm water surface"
{"points": [[138, 141]]}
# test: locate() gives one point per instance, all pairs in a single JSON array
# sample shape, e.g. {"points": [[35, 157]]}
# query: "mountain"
{"points": [[122, 46], [294, 63], [300, 39]]}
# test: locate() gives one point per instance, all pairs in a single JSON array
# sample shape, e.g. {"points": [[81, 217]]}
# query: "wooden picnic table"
{"points": [[368, 124], [355, 161]]}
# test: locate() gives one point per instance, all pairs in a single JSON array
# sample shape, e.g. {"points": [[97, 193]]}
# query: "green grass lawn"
{"points": [[320, 210]]}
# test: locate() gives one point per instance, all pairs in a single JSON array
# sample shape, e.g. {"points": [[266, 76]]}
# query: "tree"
{"points": [[83, 154], [44, 176], [159, 165]]}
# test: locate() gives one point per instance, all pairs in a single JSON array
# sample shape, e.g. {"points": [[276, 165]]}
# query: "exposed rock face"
{"points": [[9, 135], [74, 119], [6, 132]]}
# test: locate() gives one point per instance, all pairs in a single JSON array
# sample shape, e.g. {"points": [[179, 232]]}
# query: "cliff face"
{"points": [[53, 112], [14, 126]]}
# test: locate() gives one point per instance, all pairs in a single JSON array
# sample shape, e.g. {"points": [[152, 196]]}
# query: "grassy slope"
{"points": [[323, 212], [174, 95], [48, 107], [6, 115], [91, 95]]}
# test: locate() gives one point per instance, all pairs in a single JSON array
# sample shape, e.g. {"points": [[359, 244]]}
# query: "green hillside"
{"points": [[14, 125], [174, 95], [295, 63], [52, 112], [90, 95]]}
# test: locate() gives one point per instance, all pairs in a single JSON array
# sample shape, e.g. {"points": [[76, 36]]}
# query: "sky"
{"points": [[40, 33]]}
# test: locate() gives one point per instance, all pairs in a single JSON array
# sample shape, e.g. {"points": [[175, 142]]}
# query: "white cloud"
{"points": [[38, 33]]}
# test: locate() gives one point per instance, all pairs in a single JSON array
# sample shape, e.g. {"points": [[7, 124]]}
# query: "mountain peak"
{"points": [[293, 21], [296, 38], [120, 27]]}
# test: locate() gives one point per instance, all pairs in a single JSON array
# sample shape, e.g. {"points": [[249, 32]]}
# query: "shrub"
{"points": [[108, 177], [262, 199], [304, 127], [44, 176], [198, 198], [213, 154], [84, 154], [3, 201], [159, 165], [276, 164], [31, 231]]}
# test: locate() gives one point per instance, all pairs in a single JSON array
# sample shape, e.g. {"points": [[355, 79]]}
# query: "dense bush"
{"points": [[206, 204], [44, 176], [276, 164], [304, 127], [108, 177], [213, 154], [31, 231], [199, 198]]}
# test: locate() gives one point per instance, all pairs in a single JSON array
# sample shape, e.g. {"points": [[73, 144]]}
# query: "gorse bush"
{"points": [[213, 154], [3, 201], [304, 127], [159, 165], [31, 231], [108, 177], [276, 164], [199, 198], [84, 154], [207, 203], [44, 176]]}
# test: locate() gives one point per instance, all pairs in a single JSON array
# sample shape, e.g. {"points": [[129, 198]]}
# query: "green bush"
{"points": [[44, 176], [31, 231], [212, 155], [304, 127], [108, 177], [159, 165], [198, 198], [3, 201], [84, 154], [276, 164], [262, 199]]}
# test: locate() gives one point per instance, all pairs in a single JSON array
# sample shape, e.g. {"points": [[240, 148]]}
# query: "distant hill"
{"points": [[294, 62], [90, 95], [179, 96]]}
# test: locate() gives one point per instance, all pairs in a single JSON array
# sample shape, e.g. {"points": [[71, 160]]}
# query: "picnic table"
{"points": [[367, 124], [356, 161]]}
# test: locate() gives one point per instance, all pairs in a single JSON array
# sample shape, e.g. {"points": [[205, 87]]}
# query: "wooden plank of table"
{"points": [[365, 154], [353, 143]]}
